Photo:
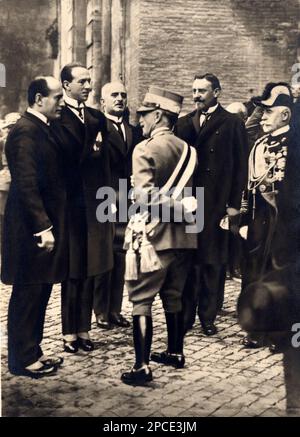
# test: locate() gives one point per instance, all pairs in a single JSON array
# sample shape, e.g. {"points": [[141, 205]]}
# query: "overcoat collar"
{"points": [[212, 124], [43, 126], [117, 141], [74, 127]]}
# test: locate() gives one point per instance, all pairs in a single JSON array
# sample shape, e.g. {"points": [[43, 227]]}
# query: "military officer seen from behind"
{"points": [[158, 254]]}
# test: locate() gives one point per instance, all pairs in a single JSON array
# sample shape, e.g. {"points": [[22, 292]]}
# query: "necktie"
{"points": [[119, 128], [79, 109], [203, 118]]}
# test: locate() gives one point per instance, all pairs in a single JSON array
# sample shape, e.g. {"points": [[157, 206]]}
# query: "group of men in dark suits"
{"points": [[59, 156], [60, 153]]}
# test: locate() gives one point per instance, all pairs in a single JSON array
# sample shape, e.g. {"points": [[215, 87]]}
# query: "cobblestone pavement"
{"points": [[220, 378]]}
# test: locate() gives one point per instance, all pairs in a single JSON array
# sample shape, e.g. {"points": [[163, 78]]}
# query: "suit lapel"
{"points": [[115, 138], [72, 124], [196, 122], [91, 125], [212, 124], [128, 132], [42, 126]]}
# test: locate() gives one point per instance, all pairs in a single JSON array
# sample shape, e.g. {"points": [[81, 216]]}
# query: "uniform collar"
{"points": [[37, 114], [159, 131], [280, 131]]}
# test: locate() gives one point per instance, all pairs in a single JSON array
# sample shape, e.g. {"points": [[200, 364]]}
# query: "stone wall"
{"points": [[245, 42]]}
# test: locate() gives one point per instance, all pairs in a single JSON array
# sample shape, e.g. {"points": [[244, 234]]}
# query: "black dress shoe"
{"points": [[71, 346], [45, 370], [119, 320], [103, 323], [209, 329], [248, 343], [85, 344], [175, 360], [137, 377], [53, 361]]}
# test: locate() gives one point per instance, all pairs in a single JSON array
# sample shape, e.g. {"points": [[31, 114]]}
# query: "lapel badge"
{"points": [[98, 142]]}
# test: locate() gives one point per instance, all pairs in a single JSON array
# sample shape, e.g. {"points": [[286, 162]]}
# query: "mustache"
{"points": [[198, 100]]}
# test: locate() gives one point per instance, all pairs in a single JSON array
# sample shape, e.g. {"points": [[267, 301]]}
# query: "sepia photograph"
{"points": [[150, 211]]}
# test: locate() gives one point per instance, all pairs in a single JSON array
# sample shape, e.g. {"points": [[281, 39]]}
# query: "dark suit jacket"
{"points": [[222, 149], [120, 158], [87, 169], [36, 201], [120, 153]]}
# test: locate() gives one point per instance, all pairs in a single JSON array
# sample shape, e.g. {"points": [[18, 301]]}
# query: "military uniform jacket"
{"points": [[222, 150], [36, 201], [267, 162], [153, 162], [87, 169]]}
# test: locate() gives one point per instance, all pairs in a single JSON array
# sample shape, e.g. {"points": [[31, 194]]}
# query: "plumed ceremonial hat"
{"points": [[275, 95]]}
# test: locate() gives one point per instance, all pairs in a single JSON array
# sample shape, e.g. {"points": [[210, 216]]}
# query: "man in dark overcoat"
{"points": [[80, 132], [120, 140], [221, 143], [34, 245]]}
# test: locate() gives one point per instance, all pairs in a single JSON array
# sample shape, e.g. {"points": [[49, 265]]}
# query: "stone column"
{"points": [[93, 43], [106, 42], [117, 39]]}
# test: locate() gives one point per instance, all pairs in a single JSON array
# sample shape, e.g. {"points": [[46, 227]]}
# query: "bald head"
{"points": [[295, 88], [239, 109], [114, 98], [45, 96]]}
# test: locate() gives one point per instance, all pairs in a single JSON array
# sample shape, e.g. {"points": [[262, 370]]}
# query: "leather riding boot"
{"points": [[142, 339], [173, 356]]}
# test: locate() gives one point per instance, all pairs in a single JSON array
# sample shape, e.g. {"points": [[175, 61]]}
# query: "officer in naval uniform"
{"points": [[267, 161], [162, 249]]}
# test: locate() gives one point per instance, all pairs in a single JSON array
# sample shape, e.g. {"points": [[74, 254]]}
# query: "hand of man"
{"points": [[189, 204], [234, 220], [48, 241]]}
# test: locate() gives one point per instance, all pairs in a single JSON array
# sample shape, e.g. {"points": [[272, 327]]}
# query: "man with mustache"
{"points": [[267, 162], [120, 141], [81, 133], [221, 143]]}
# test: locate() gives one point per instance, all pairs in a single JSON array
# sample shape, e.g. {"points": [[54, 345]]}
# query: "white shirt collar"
{"points": [[37, 114], [212, 109], [73, 102], [280, 131], [114, 118]]}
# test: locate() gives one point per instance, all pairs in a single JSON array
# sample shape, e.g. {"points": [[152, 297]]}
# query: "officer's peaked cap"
{"points": [[159, 98]]}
